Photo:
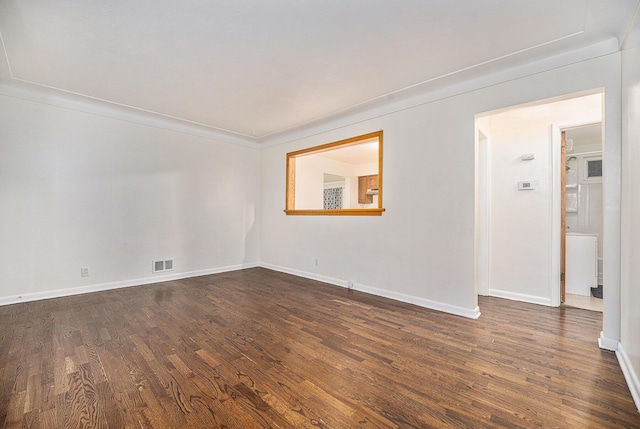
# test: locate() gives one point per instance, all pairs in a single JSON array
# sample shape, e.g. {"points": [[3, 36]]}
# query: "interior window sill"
{"points": [[339, 212]]}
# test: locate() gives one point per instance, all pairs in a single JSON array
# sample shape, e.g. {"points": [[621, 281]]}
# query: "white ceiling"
{"points": [[257, 68], [358, 154]]}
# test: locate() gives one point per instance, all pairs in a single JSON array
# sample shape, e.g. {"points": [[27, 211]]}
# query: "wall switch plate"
{"points": [[527, 185], [317, 262]]}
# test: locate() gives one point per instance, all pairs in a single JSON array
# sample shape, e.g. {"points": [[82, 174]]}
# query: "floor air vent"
{"points": [[166, 265]]}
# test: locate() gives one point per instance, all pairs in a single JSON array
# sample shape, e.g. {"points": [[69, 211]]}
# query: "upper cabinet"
{"points": [[367, 188]]}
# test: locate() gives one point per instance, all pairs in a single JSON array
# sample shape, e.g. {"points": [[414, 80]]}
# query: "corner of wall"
{"points": [[606, 343], [471, 313], [629, 374], [59, 293]]}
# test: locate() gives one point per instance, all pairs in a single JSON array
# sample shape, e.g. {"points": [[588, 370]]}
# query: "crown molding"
{"points": [[491, 73], [456, 83], [54, 97], [628, 40]]}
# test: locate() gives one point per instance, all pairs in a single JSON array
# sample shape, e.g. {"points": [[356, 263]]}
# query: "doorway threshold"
{"points": [[584, 302]]}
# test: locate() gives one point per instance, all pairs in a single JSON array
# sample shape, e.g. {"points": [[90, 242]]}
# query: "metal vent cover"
{"points": [[163, 265]]}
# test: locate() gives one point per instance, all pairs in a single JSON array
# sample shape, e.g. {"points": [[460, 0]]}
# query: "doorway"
{"points": [[518, 219], [582, 217], [549, 293]]}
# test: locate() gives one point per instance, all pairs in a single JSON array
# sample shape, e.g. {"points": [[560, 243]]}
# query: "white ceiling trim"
{"points": [[101, 106], [453, 83], [5, 56], [630, 27], [82, 103], [431, 91], [39, 93], [422, 93], [253, 73], [473, 78], [260, 68]]}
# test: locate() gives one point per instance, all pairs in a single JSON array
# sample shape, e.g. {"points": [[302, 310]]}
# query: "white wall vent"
{"points": [[165, 265]]}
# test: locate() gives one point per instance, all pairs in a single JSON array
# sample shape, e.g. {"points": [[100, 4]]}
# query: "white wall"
{"points": [[81, 190], [521, 222], [629, 348], [422, 247], [588, 193]]}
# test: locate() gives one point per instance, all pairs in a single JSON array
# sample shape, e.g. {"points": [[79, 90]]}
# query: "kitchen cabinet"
{"points": [[367, 188]]}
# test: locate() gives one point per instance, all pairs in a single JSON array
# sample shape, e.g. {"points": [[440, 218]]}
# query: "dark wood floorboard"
{"points": [[262, 349]]}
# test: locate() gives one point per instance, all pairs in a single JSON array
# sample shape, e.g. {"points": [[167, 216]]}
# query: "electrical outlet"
{"points": [[317, 262], [84, 272]]}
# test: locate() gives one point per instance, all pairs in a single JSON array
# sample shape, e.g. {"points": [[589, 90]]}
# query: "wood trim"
{"points": [[343, 212], [346, 142], [291, 177], [291, 180], [380, 152]]}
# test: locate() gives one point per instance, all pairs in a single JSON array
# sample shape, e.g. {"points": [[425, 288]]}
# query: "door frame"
{"points": [[563, 217], [482, 228], [612, 158], [557, 212]]}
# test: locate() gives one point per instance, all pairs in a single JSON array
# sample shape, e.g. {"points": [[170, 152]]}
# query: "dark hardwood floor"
{"points": [[262, 349]]}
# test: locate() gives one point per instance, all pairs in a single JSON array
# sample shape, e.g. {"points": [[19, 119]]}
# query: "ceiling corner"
{"points": [[631, 35], [5, 70]]}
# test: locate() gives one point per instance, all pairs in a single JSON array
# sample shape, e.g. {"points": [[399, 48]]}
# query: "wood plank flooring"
{"points": [[262, 349]]}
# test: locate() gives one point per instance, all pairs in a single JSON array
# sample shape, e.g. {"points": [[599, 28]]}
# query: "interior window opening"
{"points": [[338, 178]]}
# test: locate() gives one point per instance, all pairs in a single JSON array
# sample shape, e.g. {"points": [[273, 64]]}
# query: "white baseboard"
{"points": [[607, 343], [305, 274], [35, 296], [533, 299], [630, 375], [422, 302]]}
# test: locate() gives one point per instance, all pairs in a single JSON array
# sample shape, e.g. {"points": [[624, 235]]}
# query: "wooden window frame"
{"points": [[291, 177]]}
